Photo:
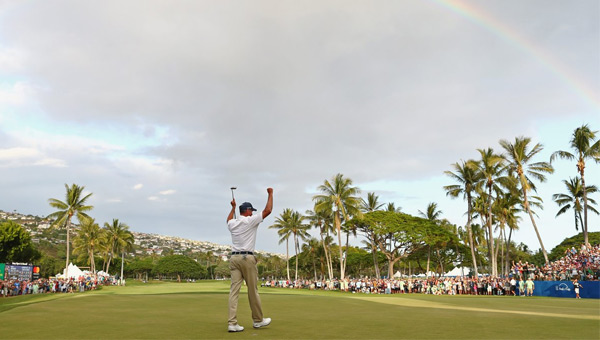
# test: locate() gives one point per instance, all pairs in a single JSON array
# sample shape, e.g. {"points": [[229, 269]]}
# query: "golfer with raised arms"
{"points": [[243, 262]]}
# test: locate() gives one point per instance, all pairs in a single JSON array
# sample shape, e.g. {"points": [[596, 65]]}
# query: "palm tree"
{"points": [[506, 210], [119, 238], [584, 144], [124, 244], [372, 204], [391, 206], [311, 248], [492, 170], [519, 158], [290, 223], [433, 214], [87, 241], [572, 200], [339, 197], [467, 178], [74, 205], [322, 221]]}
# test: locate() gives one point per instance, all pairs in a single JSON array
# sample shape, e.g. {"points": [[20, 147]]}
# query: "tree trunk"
{"points": [[327, 258], [428, 260], [391, 264], [498, 248], [507, 260], [526, 202], [296, 250], [68, 246], [338, 228], [122, 265], [287, 257], [110, 257], [92, 263], [471, 243], [585, 219], [440, 261], [375, 262], [491, 247]]}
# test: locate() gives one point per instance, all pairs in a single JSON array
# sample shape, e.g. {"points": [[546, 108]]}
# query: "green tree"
{"points": [[74, 205], [586, 147], [340, 198], [16, 244], [86, 241], [433, 214], [467, 179], [573, 199], [222, 270], [119, 239], [403, 234], [506, 209], [290, 223], [141, 267], [322, 220], [311, 251], [180, 266], [371, 204], [519, 157], [492, 170]]}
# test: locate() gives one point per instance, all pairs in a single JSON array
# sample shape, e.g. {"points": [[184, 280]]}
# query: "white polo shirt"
{"points": [[243, 231]]}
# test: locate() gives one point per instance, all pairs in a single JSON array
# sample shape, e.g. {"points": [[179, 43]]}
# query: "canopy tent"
{"points": [[398, 274], [458, 271], [74, 271]]}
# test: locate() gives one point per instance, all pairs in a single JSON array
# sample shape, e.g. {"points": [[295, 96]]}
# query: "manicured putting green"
{"points": [[199, 311]]}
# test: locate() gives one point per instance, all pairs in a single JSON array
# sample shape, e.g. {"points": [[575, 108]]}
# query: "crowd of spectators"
{"points": [[582, 264], [432, 285], [14, 287]]}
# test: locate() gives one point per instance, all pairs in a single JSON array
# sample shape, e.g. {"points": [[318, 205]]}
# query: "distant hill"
{"points": [[144, 244]]}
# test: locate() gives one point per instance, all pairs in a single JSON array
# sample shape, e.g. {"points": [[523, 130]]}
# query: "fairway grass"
{"points": [[199, 311]]}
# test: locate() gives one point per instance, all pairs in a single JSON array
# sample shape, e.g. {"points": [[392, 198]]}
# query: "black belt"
{"points": [[242, 253]]}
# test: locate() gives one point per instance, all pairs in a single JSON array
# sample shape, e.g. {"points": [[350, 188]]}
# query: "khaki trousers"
{"points": [[243, 268]]}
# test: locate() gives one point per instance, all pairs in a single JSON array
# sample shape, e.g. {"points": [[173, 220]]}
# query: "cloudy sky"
{"points": [[159, 107]]}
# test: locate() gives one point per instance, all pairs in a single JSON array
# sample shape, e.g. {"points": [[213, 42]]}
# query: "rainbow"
{"points": [[512, 37]]}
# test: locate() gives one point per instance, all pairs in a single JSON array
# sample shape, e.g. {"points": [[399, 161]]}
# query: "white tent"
{"points": [[398, 274], [74, 271], [458, 271]]}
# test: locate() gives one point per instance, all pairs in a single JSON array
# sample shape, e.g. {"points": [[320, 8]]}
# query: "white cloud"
{"points": [[23, 156], [282, 94], [14, 94], [11, 60]]}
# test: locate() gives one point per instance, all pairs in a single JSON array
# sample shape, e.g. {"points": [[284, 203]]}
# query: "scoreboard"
{"points": [[18, 272]]}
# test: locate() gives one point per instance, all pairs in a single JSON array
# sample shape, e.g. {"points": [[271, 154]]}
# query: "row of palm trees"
{"points": [[90, 239], [497, 188]]}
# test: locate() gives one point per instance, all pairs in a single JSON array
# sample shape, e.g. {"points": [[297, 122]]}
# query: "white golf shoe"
{"points": [[235, 328], [265, 322]]}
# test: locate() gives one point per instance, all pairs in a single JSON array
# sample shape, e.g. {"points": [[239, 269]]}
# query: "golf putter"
{"points": [[233, 198]]}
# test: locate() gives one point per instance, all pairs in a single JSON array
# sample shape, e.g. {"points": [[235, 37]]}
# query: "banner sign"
{"points": [[18, 272], [1, 271], [36, 272], [589, 289]]}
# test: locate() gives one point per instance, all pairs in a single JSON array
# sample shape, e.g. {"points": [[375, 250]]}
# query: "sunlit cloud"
{"points": [[23, 156]]}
